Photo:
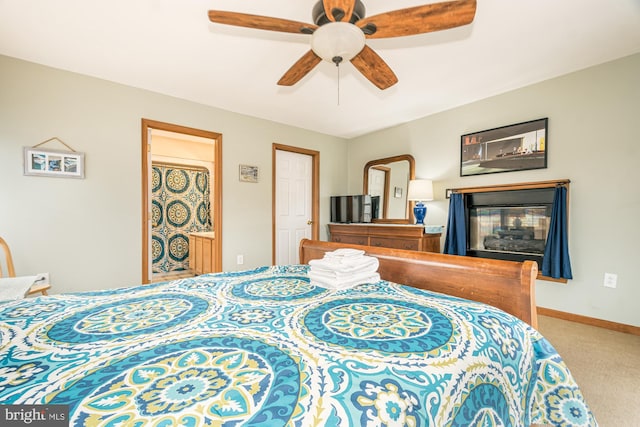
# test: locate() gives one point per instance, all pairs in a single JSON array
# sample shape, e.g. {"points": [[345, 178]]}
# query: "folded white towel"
{"points": [[323, 282], [356, 260], [344, 253], [363, 263], [343, 268], [332, 276]]}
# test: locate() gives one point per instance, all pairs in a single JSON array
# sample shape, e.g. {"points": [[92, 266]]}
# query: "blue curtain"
{"points": [[556, 261], [455, 242]]}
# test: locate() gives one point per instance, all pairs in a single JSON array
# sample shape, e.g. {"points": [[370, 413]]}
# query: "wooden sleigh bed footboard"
{"points": [[506, 285]]}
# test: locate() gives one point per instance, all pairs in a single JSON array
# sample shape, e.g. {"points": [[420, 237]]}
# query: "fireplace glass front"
{"points": [[509, 230]]}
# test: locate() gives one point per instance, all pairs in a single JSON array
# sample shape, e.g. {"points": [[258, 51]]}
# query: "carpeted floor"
{"points": [[606, 365]]}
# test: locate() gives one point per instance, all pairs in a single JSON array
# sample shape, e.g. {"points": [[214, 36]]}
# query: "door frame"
{"points": [[216, 212], [315, 191], [387, 171]]}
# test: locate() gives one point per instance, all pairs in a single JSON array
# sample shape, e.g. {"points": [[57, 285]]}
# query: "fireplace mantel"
{"points": [[507, 187]]}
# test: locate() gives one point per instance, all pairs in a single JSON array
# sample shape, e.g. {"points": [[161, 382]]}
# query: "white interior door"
{"points": [[294, 175]]}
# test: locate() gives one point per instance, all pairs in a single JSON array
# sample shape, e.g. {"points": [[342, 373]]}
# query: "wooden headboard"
{"points": [[506, 285]]}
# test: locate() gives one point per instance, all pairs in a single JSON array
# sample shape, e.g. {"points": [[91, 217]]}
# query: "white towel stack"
{"points": [[343, 268]]}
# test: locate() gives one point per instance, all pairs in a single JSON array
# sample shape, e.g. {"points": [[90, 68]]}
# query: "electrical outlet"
{"points": [[610, 280], [240, 259], [42, 278]]}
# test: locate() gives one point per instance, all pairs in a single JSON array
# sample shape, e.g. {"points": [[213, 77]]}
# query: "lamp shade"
{"points": [[337, 41], [420, 190]]}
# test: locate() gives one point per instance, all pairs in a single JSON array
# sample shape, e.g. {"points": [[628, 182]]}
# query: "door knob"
{"points": [[309, 222]]}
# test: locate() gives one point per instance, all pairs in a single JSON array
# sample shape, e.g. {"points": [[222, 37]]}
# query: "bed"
{"points": [[265, 347]]}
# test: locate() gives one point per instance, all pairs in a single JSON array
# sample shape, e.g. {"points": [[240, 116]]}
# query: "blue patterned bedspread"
{"points": [[266, 348]]}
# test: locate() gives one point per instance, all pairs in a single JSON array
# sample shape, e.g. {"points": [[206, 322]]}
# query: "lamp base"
{"points": [[420, 211]]}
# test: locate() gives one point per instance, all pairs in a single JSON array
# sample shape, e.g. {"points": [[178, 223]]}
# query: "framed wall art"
{"points": [[62, 164], [248, 173], [516, 147]]}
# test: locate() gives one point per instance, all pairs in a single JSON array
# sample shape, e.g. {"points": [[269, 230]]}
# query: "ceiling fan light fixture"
{"points": [[337, 40]]}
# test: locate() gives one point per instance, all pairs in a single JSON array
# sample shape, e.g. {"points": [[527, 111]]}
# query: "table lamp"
{"points": [[420, 190]]}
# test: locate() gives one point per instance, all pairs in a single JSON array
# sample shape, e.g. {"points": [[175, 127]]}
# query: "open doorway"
{"points": [[181, 201]]}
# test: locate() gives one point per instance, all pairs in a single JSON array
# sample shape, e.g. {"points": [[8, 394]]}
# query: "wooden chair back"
{"points": [[8, 260]]}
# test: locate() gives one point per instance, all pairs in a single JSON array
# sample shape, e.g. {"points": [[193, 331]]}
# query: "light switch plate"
{"points": [[610, 280]]}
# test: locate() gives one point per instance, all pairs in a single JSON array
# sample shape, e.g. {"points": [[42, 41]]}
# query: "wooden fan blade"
{"points": [[419, 19], [374, 68], [260, 22], [300, 69], [339, 10]]}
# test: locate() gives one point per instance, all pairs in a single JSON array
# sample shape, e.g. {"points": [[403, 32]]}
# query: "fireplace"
{"points": [[511, 225]]}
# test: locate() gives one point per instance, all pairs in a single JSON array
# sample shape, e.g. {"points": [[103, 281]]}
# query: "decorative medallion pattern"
{"points": [[264, 347]]}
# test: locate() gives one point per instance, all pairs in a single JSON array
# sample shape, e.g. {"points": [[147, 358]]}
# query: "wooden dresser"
{"points": [[397, 236]]}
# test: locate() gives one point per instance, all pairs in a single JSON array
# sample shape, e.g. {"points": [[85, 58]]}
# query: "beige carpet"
{"points": [[606, 366]]}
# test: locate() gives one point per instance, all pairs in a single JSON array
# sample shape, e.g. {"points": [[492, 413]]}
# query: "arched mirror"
{"points": [[387, 181]]}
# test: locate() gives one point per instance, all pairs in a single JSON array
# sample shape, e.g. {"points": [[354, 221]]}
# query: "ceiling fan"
{"points": [[340, 29]]}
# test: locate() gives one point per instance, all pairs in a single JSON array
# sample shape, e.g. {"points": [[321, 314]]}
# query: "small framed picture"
{"points": [[248, 173], [62, 164]]}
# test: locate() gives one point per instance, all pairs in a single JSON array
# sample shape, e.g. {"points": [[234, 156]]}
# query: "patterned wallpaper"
{"points": [[180, 205]]}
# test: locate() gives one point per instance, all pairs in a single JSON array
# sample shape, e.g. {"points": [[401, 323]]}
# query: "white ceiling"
{"points": [[171, 47]]}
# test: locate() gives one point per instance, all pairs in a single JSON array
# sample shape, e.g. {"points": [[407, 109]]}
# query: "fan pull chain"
{"points": [[337, 60], [338, 67]]}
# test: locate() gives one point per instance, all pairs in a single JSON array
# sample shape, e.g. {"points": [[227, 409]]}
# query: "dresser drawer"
{"points": [[395, 243], [401, 236], [349, 238]]}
